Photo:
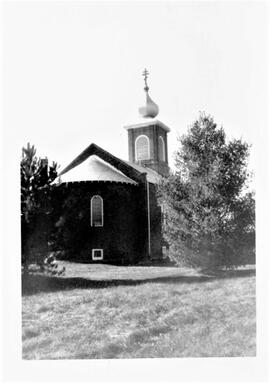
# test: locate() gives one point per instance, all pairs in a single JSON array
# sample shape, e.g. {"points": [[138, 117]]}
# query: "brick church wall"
{"points": [[123, 236]]}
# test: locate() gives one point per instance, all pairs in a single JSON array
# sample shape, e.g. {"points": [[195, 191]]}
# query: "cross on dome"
{"points": [[145, 75], [151, 109]]}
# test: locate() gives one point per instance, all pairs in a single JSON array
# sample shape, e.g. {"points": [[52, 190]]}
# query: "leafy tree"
{"points": [[36, 207], [209, 218]]}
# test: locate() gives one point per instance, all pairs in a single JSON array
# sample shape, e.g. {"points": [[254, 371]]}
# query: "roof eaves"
{"points": [[147, 123], [119, 164]]}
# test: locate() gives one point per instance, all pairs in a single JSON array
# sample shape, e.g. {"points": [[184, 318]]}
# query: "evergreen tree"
{"points": [[210, 221], [36, 206]]}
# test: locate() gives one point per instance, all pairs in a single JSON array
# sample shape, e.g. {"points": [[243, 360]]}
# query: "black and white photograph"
{"points": [[136, 173]]}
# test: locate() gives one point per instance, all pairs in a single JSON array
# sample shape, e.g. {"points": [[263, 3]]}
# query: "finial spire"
{"points": [[145, 76], [150, 109]]}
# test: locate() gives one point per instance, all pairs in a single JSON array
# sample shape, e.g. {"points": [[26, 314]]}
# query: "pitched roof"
{"points": [[151, 175], [95, 169], [96, 164]]}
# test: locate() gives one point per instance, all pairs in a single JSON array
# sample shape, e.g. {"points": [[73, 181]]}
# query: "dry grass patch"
{"points": [[162, 317]]}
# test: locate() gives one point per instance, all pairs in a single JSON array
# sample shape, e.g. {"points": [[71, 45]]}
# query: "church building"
{"points": [[109, 208]]}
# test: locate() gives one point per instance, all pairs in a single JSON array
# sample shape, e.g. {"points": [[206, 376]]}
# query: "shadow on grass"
{"points": [[33, 283]]}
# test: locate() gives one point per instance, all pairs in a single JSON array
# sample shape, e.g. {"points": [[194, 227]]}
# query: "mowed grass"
{"points": [[101, 311]]}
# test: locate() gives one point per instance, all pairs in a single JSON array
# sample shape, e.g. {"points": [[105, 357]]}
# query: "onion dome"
{"points": [[150, 109]]}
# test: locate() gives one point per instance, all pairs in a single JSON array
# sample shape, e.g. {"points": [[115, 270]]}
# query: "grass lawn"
{"points": [[102, 311]]}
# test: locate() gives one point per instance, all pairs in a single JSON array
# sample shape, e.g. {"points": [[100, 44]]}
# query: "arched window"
{"points": [[96, 211], [142, 148], [161, 149]]}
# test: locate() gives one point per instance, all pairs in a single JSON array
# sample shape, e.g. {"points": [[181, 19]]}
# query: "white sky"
{"points": [[72, 71]]}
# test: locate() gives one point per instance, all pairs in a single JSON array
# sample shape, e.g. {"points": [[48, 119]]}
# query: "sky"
{"points": [[73, 71]]}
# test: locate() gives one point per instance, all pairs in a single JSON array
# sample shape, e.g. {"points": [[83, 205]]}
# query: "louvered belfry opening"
{"points": [[142, 148]]}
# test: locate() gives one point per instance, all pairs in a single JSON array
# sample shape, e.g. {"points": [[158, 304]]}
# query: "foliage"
{"points": [[210, 220], [36, 207]]}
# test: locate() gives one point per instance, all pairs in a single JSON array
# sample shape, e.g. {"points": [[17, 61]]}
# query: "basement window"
{"points": [[97, 254]]}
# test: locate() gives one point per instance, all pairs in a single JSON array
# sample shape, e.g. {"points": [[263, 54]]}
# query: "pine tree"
{"points": [[36, 208], [210, 219]]}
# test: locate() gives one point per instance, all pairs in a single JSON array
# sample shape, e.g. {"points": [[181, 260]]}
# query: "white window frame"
{"points": [[160, 139], [136, 153], [97, 258], [91, 211]]}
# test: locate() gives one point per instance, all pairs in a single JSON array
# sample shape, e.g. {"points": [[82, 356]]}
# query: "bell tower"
{"points": [[147, 139]]}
